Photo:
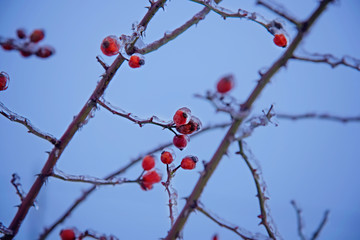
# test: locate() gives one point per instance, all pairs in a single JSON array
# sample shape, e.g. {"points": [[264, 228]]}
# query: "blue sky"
{"points": [[314, 162]]}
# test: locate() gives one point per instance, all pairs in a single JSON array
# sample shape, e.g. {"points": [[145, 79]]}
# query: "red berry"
{"points": [[26, 52], [180, 141], [182, 116], [193, 125], [67, 234], [167, 156], [215, 237], [4, 81], [8, 44], [148, 162], [151, 177], [21, 33], [280, 40], [146, 186], [189, 162], [37, 35], [45, 52], [225, 84], [110, 45], [136, 61]]}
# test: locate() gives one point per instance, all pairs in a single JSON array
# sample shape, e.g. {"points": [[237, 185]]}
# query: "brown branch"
{"points": [[74, 126], [102, 63], [175, 33], [94, 235], [225, 143], [26, 122], [299, 220], [318, 116], [280, 11], [260, 194], [330, 60], [15, 181], [236, 230], [134, 119], [118, 172], [321, 226]]}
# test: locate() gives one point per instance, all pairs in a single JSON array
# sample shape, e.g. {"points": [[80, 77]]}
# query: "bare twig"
{"points": [[74, 126], [118, 172], [228, 138], [279, 10], [218, 221], [86, 179], [323, 116], [15, 181], [300, 225], [102, 63], [172, 194], [260, 194], [93, 235], [321, 226], [175, 33], [170, 125], [331, 60], [26, 122], [225, 13]]}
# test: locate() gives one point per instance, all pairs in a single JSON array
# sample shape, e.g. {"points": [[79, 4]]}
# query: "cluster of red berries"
{"points": [[225, 84], [280, 40], [27, 44], [4, 81], [186, 124], [188, 162], [67, 234], [111, 45], [151, 176]]}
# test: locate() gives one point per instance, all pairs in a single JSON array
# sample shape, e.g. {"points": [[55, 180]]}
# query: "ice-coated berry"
{"points": [[67, 234], [110, 45], [148, 162], [189, 162], [180, 141], [136, 61], [4, 81], [225, 84], [182, 116], [192, 126], [280, 40], [37, 35]]}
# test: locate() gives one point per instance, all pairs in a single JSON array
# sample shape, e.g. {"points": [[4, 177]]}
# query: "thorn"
{"points": [[260, 216]]}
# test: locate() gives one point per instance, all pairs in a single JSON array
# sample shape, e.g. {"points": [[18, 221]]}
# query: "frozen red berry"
{"points": [[149, 179], [180, 141], [280, 40], [4, 81], [225, 84], [182, 116], [110, 45], [37, 35], [148, 162], [192, 126], [189, 162], [167, 156], [45, 52], [67, 234], [26, 52], [8, 44], [21, 33], [136, 61]]}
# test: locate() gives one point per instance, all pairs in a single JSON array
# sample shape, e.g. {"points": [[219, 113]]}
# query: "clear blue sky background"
{"points": [[314, 162]]}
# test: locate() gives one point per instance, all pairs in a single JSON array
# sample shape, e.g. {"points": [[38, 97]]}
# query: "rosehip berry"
{"points": [[152, 177], [148, 162], [280, 40], [182, 116], [180, 141], [8, 44], [4, 81], [110, 45], [136, 61], [45, 52], [146, 186], [26, 52], [67, 234], [225, 84], [37, 35], [189, 162], [193, 125], [21, 33], [167, 156]]}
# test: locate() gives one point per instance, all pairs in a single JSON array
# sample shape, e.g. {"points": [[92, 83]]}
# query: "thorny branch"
{"points": [[170, 125], [246, 106], [26, 122], [93, 235], [216, 219], [279, 10], [86, 179], [260, 193], [74, 126], [118, 172], [331, 60], [175, 33], [318, 116]]}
